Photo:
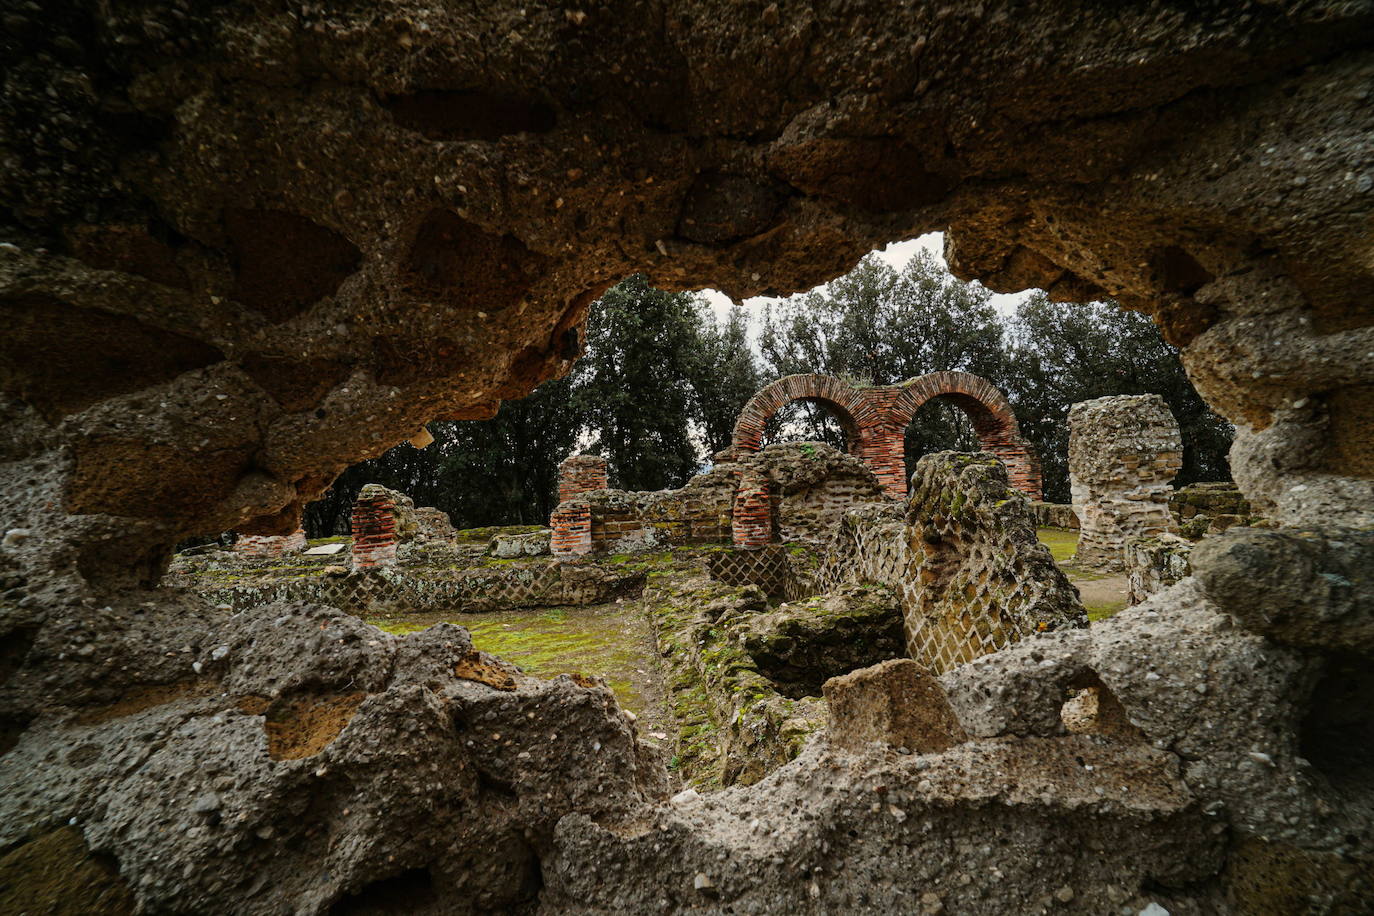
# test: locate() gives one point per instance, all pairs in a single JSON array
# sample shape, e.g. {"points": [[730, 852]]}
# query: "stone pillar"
{"points": [[572, 529], [374, 528], [1123, 452], [751, 524], [269, 547], [580, 474]]}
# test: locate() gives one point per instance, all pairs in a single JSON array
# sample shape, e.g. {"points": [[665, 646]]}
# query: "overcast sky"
{"points": [[895, 254]]}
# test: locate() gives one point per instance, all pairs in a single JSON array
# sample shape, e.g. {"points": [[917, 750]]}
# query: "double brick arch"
{"points": [[875, 420]]}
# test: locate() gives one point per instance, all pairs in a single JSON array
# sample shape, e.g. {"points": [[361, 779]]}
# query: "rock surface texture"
{"points": [[1123, 452], [245, 245], [962, 560]]}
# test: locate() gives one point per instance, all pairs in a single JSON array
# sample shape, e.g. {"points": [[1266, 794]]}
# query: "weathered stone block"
{"points": [[1123, 451], [1154, 563], [531, 544], [897, 703]]}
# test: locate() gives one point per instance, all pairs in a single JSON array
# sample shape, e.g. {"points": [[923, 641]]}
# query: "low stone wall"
{"points": [[811, 487], [1153, 564], [1201, 509], [268, 547], [478, 589], [1123, 452], [699, 513], [1054, 515], [962, 558], [791, 491]]}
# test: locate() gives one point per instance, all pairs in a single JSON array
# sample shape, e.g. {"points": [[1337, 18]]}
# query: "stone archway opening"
{"points": [[811, 420], [876, 419], [937, 425]]}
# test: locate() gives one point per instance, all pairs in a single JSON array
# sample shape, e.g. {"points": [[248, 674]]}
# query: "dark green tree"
{"points": [[1062, 353], [724, 376], [659, 384], [501, 471], [634, 384]]}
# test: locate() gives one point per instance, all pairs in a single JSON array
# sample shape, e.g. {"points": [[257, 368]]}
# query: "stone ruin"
{"points": [[875, 419], [962, 558], [763, 508], [268, 546], [374, 525], [244, 247], [792, 492], [409, 560], [1123, 453]]}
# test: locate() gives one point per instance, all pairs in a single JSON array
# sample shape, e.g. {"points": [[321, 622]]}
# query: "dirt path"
{"points": [[1102, 594]]}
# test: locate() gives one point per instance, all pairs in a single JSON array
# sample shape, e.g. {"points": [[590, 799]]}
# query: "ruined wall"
{"points": [[268, 546], [1200, 509], [794, 491], [578, 474], [698, 513], [246, 246], [418, 590], [1123, 452], [963, 559], [433, 524], [374, 523]]}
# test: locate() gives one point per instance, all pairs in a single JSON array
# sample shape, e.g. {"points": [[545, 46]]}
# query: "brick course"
{"points": [[269, 547], [579, 474], [374, 528]]}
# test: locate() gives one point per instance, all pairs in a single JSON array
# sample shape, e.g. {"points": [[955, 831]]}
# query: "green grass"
{"points": [[1062, 543], [606, 641], [1098, 612]]}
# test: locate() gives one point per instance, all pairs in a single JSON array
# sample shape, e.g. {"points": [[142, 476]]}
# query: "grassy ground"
{"points": [[1103, 594], [611, 641]]}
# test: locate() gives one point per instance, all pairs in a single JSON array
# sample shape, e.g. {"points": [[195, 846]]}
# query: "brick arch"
{"points": [[848, 403], [875, 420], [994, 422]]}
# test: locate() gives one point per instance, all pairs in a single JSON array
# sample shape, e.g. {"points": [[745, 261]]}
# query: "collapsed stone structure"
{"points": [[244, 247], [1123, 453], [963, 559]]}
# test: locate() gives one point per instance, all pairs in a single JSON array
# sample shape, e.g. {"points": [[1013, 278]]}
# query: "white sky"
{"points": [[896, 255]]}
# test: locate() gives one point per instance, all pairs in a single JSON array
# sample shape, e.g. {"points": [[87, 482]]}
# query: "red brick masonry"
{"points": [[580, 474], [752, 519], [374, 532], [269, 547], [572, 529], [572, 521], [875, 419]]}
